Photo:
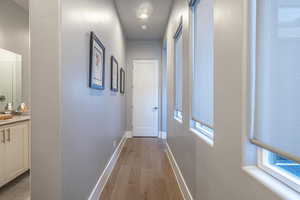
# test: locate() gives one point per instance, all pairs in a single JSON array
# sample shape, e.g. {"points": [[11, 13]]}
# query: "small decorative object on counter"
{"points": [[2, 98], [22, 109], [8, 108], [6, 116]]}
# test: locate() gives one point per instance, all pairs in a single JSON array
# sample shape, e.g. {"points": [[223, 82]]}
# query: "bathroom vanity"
{"points": [[14, 148], [15, 132]]}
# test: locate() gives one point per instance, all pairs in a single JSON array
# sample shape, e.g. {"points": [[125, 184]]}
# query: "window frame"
{"points": [[280, 174], [193, 122], [178, 114], [202, 130], [263, 153]]}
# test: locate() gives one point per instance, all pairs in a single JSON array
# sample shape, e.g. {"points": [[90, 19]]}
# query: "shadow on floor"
{"points": [[17, 189]]}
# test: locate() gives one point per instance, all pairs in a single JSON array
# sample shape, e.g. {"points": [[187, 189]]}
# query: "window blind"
{"points": [[202, 97], [178, 68], [276, 78]]}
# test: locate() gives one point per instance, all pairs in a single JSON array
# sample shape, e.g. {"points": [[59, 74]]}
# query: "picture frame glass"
{"points": [[122, 81], [97, 69], [97, 63], [114, 74]]}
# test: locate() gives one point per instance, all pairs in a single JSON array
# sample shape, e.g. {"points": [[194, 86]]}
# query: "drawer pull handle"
{"points": [[3, 137], [8, 135]]}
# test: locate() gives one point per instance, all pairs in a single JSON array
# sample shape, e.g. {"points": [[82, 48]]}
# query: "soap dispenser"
{"points": [[9, 108]]}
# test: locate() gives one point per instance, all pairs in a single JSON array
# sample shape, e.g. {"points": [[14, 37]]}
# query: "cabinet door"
{"points": [[16, 155], [2, 157]]}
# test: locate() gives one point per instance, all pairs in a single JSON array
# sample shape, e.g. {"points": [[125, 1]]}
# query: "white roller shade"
{"points": [[178, 70], [277, 77], [203, 98]]}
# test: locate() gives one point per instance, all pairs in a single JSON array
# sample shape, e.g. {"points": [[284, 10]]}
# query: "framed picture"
{"points": [[192, 2], [97, 63], [114, 74], [122, 81]]}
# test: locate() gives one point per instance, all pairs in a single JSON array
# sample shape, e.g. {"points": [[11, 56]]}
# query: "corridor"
{"points": [[142, 172], [149, 99]]}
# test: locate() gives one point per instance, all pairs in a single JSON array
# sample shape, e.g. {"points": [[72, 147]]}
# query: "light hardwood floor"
{"points": [[142, 172]]}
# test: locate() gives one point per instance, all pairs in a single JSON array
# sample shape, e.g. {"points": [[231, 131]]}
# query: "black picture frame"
{"points": [[97, 56], [192, 2], [114, 74], [179, 29], [122, 81]]}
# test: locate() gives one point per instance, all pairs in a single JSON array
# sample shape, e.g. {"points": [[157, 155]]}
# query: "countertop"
{"points": [[17, 118]]}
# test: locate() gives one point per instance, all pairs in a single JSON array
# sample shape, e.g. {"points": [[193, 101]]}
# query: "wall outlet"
{"points": [[115, 143]]}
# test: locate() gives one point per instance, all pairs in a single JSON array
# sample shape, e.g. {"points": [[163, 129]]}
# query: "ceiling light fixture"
{"points": [[144, 16], [144, 11], [144, 27]]}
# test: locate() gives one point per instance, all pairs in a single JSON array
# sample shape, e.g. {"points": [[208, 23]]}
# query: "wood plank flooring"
{"points": [[142, 172]]}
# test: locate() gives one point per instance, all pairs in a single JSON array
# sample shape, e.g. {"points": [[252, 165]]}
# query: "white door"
{"points": [[145, 98]]}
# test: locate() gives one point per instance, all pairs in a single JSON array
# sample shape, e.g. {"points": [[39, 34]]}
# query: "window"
{"points": [[203, 72], [178, 43], [200, 128], [275, 71], [288, 171]]}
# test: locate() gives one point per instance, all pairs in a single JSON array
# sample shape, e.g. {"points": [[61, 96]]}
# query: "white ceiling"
{"points": [[156, 23], [127, 9], [23, 3]]}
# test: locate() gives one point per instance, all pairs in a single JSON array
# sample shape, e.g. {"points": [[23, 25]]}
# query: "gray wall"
{"points": [[164, 89], [215, 172], [74, 127], [135, 50], [91, 120], [14, 36]]}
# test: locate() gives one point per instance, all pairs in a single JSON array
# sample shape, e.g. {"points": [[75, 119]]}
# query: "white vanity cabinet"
{"points": [[14, 150], [2, 156]]}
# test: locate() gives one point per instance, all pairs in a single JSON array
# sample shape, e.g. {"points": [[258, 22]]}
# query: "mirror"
{"points": [[10, 79]]}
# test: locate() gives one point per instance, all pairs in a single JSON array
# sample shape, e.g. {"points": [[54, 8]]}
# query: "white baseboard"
{"points": [[95, 195], [162, 135], [128, 134], [180, 180]]}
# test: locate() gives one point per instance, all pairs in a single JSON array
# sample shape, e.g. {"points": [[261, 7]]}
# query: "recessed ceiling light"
{"points": [[144, 27], [144, 10], [144, 16]]}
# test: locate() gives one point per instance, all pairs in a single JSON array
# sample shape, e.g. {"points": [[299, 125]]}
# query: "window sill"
{"points": [[204, 137], [276, 186], [178, 119]]}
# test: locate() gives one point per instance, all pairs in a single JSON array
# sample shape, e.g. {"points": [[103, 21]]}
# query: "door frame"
{"points": [[158, 95]]}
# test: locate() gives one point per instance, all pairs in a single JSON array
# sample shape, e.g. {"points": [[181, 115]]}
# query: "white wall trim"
{"points": [[95, 195], [180, 180], [162, 135], [128, 134]]}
